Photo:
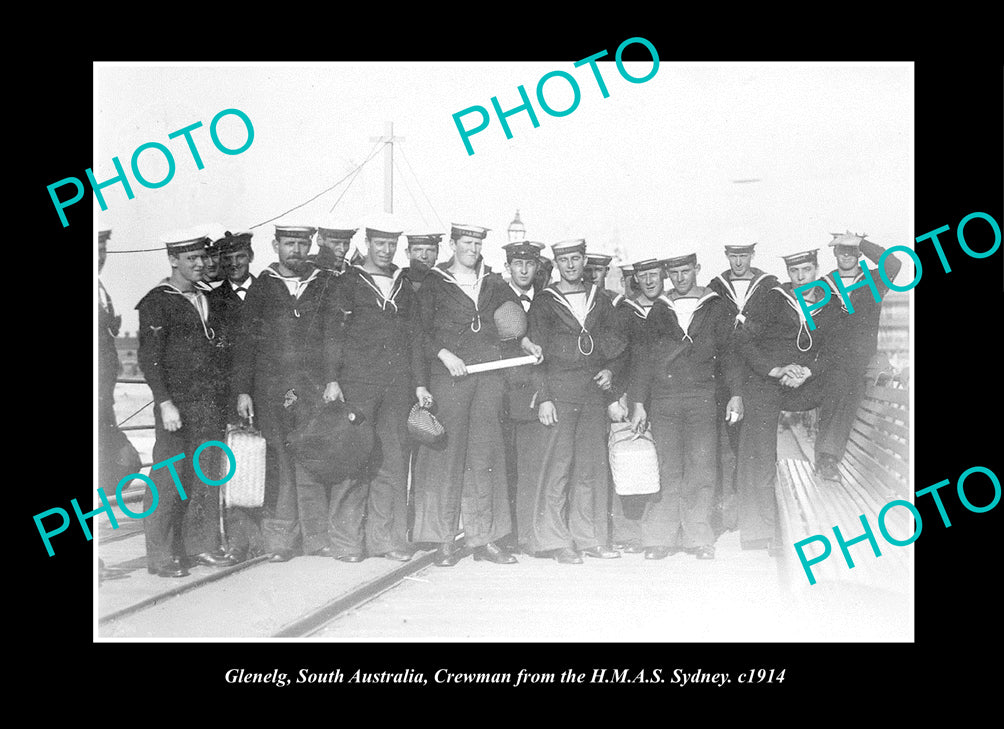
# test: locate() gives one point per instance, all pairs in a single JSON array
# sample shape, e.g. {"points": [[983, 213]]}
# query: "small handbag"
{"points": [[423, 426], [634, 463]]}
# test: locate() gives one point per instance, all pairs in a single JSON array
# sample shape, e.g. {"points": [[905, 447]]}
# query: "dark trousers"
{"points": [[845, 412], [466, 473], [371, 511], [756, 470], [728, 450], [280, 522], [527, 437], [679, 515], [569, 497], [243, 531], [625, 518], [178, 527]]}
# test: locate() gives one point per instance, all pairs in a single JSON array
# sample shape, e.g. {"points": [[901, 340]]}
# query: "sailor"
{"points": [[791, 369], [597, 268], [861, 333], [178, 355], [628, 282], [243, 525], [423, 250], [108, 328], [468, 475], [688, 333], [574, 325], [110, 438], [332, 247], [543, 276], [227, 300], [522, 429], [647, 279], [368, 326], [277, 360], [212, 273], [743, 289]]}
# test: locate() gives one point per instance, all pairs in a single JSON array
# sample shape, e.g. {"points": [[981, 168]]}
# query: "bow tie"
{"points": [[524, 297]]}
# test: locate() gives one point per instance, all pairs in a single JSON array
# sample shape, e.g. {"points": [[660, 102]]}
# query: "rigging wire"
{"points": [[352, 174], [419, 183], [413, 200]]}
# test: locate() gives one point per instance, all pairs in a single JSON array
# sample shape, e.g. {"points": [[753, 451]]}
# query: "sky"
{"points": [[651, 170]]}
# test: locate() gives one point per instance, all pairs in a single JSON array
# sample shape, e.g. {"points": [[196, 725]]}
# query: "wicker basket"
{"points": [[633, 461], [247, 486]]}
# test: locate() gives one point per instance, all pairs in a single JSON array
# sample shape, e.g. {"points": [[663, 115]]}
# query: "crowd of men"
{"points": [[523, 466]]}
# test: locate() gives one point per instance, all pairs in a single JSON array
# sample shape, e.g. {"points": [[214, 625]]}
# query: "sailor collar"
{"points": [[481, 271], [560, 298], [757, 279], [708, 296], [301, 283], [271, 271], [639, 310], [397, 283], [802, 324], [199, 303]]}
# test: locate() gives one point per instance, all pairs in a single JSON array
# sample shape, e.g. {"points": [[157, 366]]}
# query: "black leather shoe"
{"points": [[657, 552], [826, 468], [171, 569], [323, 552], [492, 552], [214, 559], [281, 555], [398, 555], [447, 555], [706, 552], [566, 555], [601, 552], [353, 557]]}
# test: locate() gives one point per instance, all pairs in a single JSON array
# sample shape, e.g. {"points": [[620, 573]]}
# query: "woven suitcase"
{"points": [[633, 461], [247, 486]]}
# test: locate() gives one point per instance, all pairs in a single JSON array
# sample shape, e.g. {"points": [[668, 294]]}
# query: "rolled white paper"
{"points": [[501, 364]]}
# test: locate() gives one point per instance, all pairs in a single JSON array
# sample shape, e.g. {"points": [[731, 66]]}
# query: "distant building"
{"points": [[127, 347]]}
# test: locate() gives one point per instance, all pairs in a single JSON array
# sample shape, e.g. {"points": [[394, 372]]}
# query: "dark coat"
{"points": [[225, 308], [573, 354], [451, 321], [279, 344], [672, 362], [178, 353], [756, 295], [779, 336], [630, 318], [367, 338]]}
